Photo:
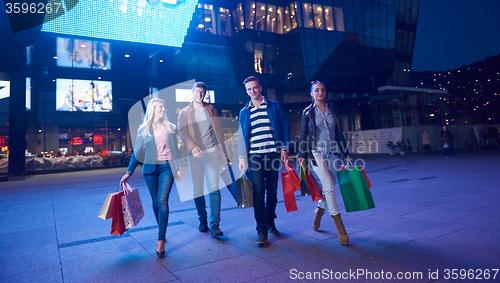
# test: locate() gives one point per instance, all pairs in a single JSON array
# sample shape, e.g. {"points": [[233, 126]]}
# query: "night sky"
{"points": [[452, 33]]}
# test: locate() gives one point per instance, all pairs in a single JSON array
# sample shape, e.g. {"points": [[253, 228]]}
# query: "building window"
{"points": [[329, 18], [318, 17], [263, 57], [287, 24], [308, 15], [271, 18], [279, 20], [339, 19], [271, 22], [260, 17], [293, 15], [240, 20], [258, 57], [224, 22], [203, 18], [250, 15]]}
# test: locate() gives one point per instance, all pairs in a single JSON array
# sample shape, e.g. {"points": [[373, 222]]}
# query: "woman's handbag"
{"points": [[354, 189], [312, 184], [131, 206]]}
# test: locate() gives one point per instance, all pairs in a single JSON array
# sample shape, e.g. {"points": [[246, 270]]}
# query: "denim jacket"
{"points": [[279, 123], [145, 153]]}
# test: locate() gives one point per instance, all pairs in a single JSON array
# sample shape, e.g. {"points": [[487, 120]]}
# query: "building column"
{"points": [[17, 124]]}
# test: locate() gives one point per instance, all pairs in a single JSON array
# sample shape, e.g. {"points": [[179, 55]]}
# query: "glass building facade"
{"points": [[354, 46], [79, 89]]}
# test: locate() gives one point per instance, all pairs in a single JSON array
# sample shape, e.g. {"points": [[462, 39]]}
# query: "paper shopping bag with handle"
{"points": [[244, 192], [354, 189], [132, 206], [118, 224], [342, 167], [312, 184], [290, 183], [227, 176], [107, 208]]}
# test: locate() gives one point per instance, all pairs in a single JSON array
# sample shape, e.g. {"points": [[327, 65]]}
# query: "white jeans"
{"points": [[327, 174]]}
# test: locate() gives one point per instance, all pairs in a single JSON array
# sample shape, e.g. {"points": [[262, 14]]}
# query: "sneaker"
{"points": [[215, 231], [203, 226], [262, 239], [273, 230]]}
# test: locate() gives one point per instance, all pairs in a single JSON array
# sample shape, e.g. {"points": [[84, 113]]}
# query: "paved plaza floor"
{"points": [[436, 220]]}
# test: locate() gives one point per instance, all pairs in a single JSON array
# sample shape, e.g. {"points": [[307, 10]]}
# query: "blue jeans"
{"points": [[447, 151], [160, 184], [263, 172], [207, 166]]}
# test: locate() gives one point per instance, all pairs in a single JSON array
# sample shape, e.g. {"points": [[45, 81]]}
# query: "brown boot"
{"points": [[343, 238], [318, 213]]}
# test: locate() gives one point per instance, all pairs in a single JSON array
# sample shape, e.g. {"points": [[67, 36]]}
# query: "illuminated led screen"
{"points": [[83, 95], [163, 22], [81, 53]]}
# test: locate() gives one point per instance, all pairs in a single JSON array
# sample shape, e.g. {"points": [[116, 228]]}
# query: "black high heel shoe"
{"points": [[161, 254]]}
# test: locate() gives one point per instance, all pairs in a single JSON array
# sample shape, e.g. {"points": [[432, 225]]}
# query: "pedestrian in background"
{"points": [[447, 140], [472, 139], [426, 141]]}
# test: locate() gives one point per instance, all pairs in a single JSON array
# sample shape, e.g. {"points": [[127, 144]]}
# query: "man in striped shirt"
{"points": [[262, 144]]}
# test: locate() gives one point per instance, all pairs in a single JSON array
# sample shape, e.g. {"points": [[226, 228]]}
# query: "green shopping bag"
{"points": [[354, 189]]}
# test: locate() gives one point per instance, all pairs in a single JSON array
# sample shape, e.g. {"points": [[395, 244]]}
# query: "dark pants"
{"points": [[427, 148], [447, 151], [160, 184], [263, 172]]}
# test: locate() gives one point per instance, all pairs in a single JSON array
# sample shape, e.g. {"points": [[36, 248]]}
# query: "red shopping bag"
{"points": [[293, 177], [290, 183], [288, 192], [342, 167], [118, 224], [312, 184]]}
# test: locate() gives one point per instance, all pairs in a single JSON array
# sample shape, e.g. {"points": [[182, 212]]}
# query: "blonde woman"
{"points": [[156, 149]]}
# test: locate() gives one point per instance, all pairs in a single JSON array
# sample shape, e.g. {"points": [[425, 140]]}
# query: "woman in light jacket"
{"points": [[156, 148], [322, 143], [426, 141]]}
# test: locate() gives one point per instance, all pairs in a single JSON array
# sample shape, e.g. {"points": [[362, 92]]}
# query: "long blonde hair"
{"points": [[147, 123]]}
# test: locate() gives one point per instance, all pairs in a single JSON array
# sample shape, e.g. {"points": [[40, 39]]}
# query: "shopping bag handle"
{"points": [[306, 170], [125, 187]]}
